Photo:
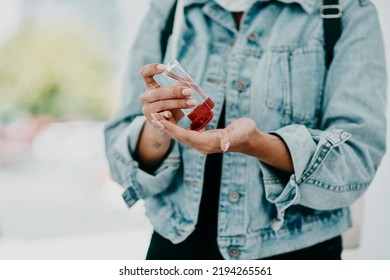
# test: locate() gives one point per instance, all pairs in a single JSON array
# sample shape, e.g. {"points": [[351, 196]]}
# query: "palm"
{"points": [[239, 133]]}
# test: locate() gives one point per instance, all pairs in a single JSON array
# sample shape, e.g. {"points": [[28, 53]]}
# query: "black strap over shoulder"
{"points": [[331, 13], [167, 30]]}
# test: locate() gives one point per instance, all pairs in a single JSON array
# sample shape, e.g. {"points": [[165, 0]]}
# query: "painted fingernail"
{"points": [[191, 102], [226, 147], [161, 67], [187, 92]]}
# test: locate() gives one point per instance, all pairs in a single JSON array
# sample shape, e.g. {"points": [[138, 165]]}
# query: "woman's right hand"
{"points": [[163, 102], [159, 103]]}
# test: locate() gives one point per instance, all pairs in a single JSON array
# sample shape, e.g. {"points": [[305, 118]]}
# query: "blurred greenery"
{"points": [[61, 73]]}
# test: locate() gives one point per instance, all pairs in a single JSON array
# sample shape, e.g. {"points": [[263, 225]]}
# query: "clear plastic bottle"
{"points": [[175, 75]]}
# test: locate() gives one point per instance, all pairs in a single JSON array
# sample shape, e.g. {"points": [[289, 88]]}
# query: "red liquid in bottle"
{"points": [[201, 115]]}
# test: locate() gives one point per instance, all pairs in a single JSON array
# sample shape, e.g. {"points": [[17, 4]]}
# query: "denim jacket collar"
{"points": [[308, 5]]}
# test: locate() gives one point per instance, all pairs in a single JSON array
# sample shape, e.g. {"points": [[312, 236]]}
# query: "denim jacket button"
{"points": [[234, 252], [234, 196], [252, 37], [241, 86]]}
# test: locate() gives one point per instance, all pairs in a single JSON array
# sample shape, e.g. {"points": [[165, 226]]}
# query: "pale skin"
{"points": [[161, 106]]}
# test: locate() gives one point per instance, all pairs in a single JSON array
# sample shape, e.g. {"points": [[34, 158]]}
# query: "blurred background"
{"points": [[61, 66]]}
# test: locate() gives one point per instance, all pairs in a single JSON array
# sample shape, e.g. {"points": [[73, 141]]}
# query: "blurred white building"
{"points": [[10, 18]]}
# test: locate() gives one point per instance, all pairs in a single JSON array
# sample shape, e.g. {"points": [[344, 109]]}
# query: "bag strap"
{"points": [[167, 30], [331, 13]]}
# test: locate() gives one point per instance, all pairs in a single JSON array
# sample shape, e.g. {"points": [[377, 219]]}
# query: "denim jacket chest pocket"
{"points": [[294, 83]]}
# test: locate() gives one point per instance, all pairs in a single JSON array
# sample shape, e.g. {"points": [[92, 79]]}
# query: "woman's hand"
{"points": [[240, 136], [159, 103], [163, 102], [237, 137]]}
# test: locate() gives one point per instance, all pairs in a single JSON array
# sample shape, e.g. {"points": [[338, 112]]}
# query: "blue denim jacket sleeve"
{"points": [[334, 165], [123, 130]]}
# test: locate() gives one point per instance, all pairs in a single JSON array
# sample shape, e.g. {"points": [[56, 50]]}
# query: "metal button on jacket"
{"points": [[241, 86], [252, 37], [234, 196], [234, 252]]}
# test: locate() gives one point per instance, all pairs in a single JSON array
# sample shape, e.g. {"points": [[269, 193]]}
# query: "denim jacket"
{"points": [[273, 71]]}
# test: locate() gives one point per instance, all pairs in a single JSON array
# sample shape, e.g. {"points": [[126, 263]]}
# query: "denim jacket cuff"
{"points": [[300, 144], [135, 127], [305, 153], [139, 184], [301, 147]]}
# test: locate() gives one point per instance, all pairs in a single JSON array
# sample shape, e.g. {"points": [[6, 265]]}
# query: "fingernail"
{"points": [[226, 147], [191, 102], [161, 67], [187, 92], [151, 92], [166, 115]]}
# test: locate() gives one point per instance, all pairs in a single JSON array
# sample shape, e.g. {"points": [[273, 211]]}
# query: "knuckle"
{"points": [[156, 94], [143, 71], [178, 92], [142, 97], [162, 106], [207, 150], [146, 70]]}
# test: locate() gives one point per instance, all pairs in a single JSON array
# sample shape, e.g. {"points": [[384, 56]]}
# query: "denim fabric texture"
{"points": [[273, 71]]}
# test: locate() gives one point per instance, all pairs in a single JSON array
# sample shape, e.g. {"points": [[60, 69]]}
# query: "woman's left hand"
{"points": [[239, 136]]}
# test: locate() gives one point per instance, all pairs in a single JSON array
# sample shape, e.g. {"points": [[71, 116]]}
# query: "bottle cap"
{"points": [[201, 122]]}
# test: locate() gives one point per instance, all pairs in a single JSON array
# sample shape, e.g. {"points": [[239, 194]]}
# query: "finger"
{"points": [[161, 116], [164, 93], [155, 122], [167, 115], [148, 71], [179, 133], [166, 105], [205, 140]]}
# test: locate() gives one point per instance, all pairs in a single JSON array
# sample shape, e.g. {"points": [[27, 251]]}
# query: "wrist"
{"points": [[152, 147], [156, 134], [272, 150], [258, 137]]}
